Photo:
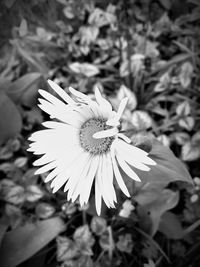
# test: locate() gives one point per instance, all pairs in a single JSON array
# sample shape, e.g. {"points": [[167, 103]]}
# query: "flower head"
{"points": [[84, 147]]}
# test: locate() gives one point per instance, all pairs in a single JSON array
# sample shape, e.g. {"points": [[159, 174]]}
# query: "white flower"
{"points": [[84, 147]]}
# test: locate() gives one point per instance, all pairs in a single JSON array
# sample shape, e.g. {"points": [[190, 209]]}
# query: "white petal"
{"points": [[61, 92], [77, 168], [131, 149], [80, 184], [53, 174], [127, 169], [99, 179], [113, 122], [95, 109], [110, 176], [64, 164], [118, 176], [124, 137], [134, 152], [62, 112], [104, 104], [85, 194], [84, 111], [54, 142], [133, 161], [47, 107], [105, 133], [98, 198], [59, 181], [106, 192], [58, 126], [52, 99], [43, 160], [121, 108], [80, 95], [46, 168]]}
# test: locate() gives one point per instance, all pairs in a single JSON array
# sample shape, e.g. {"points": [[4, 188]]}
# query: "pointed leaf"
{"points": [[22, 243], [25, 89], [10, 118], [171, 226], [190, 152], [168, 168], [165, 200], [66, 249]]}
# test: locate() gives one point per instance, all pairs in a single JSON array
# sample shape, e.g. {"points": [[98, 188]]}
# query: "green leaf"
{"points": [[168, 168], [164, 200], [9, 3], [171, 226], [66, 249], [125, 243], [3, 229], [166, 4], [190, 152], [15, 195], [84, 239], [183, 109], [126, 92], [10, 118], [141, 120], [191, 149], [106, 241], [148, 193], [44, 210], [22, 243], [33, 193], [25, 89], [98, 225], [13, 215], [187, 123], [87, 69]]}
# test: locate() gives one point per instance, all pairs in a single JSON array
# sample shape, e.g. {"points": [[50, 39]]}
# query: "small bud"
{"points": [[194, 198]]}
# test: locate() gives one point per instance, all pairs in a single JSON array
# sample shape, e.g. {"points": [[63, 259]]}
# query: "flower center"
{"points": [[90, 144]]}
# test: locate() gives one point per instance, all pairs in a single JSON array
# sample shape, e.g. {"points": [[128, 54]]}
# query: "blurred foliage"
{"points": [[147, 50]]}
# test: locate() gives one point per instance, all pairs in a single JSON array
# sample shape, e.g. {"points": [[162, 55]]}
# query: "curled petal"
{"points": [[105, 133]]}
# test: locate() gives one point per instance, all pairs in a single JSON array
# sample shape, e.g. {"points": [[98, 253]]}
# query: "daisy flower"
{"points": [[84, 146]]}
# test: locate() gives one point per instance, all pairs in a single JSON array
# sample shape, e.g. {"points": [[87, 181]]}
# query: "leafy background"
{"points": [[147, 50]]}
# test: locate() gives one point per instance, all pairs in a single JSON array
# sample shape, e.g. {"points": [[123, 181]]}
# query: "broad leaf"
{"points": [[125, 243], [164, 200], [98, 225], [10, 118], [84, 239], [66, 249], [126, 92], [25, 89], [166, 4], [86, 69], [44, 210], [171, 226], [168, 168], [191, 149], [22, 243], [141, 120], [190, 152]]}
